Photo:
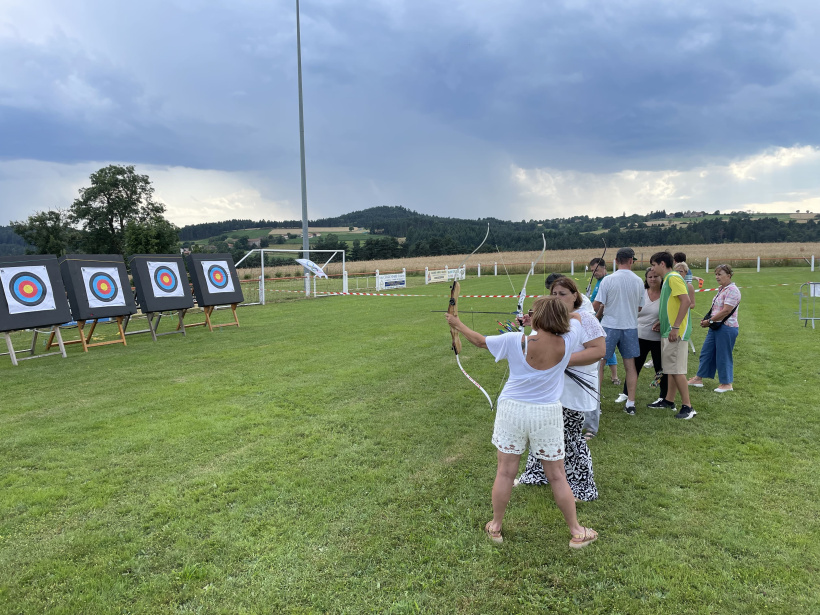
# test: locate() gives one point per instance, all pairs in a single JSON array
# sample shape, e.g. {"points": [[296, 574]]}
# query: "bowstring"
{"points": [[506, 374]]}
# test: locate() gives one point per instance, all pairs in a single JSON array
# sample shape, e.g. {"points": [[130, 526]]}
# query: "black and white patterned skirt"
{"points": [[577, 461]]}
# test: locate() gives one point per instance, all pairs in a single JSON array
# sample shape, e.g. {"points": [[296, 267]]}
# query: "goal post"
{"points": [[332, 254]]}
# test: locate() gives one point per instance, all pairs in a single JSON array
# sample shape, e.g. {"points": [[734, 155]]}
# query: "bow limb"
{"points": [[519, 310], [452, 308], [478, 248]]}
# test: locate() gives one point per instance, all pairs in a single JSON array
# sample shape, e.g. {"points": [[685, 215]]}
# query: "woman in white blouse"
{"points": [[577, 398], [529, 409]]}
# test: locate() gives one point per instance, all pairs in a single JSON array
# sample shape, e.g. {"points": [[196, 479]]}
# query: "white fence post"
{"points": [[614, 264], [812, 262], [262, 290], [532, 268], [758, 264], [479, 271], [572, 267], [495, 268], [344, 282], [307, 284], [707, 264], [426, 275]]}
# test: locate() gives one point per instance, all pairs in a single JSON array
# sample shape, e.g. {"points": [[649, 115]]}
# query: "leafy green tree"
{"points": [[153, 236], [50, 232], [117, 195]]}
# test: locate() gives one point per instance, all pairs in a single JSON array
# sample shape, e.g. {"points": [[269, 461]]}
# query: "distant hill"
{"points": [[11, 243], [399, 231]]}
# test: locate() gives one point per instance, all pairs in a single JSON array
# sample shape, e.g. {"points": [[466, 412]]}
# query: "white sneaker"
{"points": [[649, 363], [621, 398]]}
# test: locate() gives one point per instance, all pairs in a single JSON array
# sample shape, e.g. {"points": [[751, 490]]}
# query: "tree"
{"points": [[153, 236], [50, 232], [116, 196]]}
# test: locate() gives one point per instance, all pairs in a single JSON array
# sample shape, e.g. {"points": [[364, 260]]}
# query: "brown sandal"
{"points": [[579, 541], [494, 535]]}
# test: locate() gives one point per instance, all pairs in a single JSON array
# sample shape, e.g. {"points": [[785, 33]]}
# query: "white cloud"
{"points": [[779, 179]]}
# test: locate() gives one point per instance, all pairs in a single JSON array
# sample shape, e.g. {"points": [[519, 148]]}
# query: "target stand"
{"points": [[97, 287], [85, 338], [162, 286], [215, 283], [32, 297]]}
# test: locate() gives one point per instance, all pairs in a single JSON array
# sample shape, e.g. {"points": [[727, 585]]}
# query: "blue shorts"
{"points": [[626, 341], [612, 359]]}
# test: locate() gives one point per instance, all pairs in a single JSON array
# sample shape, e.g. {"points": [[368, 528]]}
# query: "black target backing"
{"points": [[217, 283], [100, 296], [161, 282], [50, 284]]}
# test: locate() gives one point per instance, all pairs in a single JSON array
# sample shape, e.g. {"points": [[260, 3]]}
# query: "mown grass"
{"points": [[328, 456]]}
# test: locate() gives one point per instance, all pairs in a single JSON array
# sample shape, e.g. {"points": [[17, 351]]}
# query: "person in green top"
{"points": [[675, 329]]}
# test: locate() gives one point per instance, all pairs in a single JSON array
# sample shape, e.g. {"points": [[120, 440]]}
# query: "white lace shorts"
{"points": [[540, 427]]}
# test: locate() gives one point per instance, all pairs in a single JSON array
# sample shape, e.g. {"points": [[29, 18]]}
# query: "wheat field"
{"points": [[737, 254]]}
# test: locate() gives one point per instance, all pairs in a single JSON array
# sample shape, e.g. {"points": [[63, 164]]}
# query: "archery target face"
{"points": [[102, 286], [28, 289], [165, 279], [217, 276]]}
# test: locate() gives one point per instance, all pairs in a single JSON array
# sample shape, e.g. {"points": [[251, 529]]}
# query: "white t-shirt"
{"points": [[647, 318], [527, 384], [574, 396], [622, 295], [586, 305]]}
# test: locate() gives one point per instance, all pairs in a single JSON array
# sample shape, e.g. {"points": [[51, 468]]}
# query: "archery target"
{"points": [[217, 276], [165, 279], [27, 289], [102, 287]]}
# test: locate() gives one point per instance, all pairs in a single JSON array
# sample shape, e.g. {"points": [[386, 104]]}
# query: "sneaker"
{"points": [[630, 410], [662, 404], [649, 363], [686, 413], [621, 398]]}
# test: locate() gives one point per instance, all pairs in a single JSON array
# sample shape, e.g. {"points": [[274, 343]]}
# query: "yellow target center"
{"points": [[28, 289], [104, 287]]}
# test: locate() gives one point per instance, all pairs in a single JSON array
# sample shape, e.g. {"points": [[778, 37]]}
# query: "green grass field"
{"points": [[329, 456]]}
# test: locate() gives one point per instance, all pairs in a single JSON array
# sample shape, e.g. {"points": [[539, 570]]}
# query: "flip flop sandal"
{"points": [[696, 384], [579, 541], [494, 535], [616, 381]]}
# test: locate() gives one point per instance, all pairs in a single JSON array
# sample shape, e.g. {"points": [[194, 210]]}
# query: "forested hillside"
{"points": [[413, 234], [10, 242]]}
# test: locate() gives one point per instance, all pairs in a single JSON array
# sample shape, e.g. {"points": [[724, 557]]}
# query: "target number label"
{"points": [[217, 276], [27, 289]]}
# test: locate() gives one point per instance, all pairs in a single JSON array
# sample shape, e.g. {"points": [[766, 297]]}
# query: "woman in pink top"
{"points": [[716, 353]]}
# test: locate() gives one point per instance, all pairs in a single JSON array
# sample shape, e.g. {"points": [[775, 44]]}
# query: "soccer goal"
{"points": [[267, 273]]}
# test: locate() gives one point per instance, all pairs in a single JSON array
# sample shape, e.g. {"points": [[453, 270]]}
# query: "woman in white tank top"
{"points": [[529, 412]]}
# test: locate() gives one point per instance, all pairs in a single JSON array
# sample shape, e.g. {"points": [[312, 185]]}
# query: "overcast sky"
{"points": [[468, 108]]}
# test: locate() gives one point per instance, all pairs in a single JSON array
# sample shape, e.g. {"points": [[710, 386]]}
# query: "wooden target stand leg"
{"points": [[55, 332], [209, 309], [153, 325], [85, 339]]}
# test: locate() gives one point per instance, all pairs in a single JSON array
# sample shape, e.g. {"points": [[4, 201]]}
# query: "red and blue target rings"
{"points": [[218, 276], [166, 279], [103, 287], [28, 289]]}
